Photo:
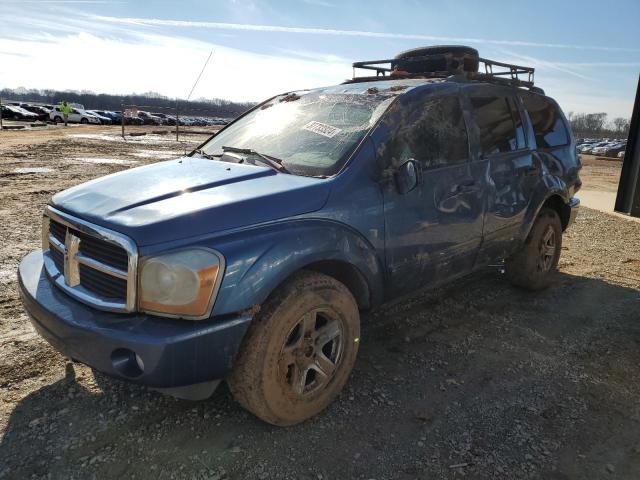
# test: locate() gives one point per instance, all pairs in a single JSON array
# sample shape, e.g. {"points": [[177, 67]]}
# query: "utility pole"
{"points": [[1, 114]]}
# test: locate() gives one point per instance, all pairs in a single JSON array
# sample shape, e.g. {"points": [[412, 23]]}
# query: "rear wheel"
{"points": [[532, 267], [84, 121], [299, 351]]}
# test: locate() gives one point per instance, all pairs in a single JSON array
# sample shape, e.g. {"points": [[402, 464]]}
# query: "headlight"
{"points": [[180, 284]]}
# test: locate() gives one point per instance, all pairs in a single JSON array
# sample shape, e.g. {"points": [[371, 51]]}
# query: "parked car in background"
{"points": [[128, 119], [76, 116], [13, 112], [168, 119], [587, 149], [104, 120], [250, 259], [115, 117], [40, 111], [609, 150], [150, 119]]}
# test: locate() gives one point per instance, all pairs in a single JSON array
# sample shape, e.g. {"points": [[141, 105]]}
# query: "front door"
{"points": [[433, 232]]}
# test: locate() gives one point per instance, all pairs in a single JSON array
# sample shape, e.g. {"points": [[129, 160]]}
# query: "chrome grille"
{"points": [[92, 264]]}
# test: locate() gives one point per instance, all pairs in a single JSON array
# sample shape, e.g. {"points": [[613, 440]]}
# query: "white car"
{"points": [[77, 115]]}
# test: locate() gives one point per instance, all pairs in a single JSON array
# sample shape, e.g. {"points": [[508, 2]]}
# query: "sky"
{"points": [[586, 54]]}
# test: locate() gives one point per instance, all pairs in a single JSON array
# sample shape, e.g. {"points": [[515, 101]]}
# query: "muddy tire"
{"points": [[533, 266], [299, 350]]}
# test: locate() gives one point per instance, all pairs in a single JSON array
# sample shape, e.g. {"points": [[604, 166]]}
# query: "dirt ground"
{"points": [[476, 380], [600, 173]]}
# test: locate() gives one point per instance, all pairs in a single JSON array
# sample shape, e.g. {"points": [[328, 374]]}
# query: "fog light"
{"points": [[139, 362], [127, 362]]}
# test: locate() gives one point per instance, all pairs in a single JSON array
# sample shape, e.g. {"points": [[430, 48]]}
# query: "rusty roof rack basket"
{"points": [[455, 62]]}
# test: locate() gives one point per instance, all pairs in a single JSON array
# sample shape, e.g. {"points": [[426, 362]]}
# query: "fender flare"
{"points": [[550, 186], [259, 260]]}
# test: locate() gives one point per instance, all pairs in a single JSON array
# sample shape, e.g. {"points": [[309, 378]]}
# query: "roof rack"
{"points": [[504, 73]]}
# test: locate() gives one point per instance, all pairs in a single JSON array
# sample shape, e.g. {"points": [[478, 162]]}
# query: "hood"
{"points": [[190, 196]]}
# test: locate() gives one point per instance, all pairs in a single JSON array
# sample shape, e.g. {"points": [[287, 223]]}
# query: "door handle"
{"points": [[466, 186]]}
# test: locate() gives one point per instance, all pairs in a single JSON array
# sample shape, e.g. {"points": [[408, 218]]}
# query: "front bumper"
{"points": [[574, 205], [152, 351]]}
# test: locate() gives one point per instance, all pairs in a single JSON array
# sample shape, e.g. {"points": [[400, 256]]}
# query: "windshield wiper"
{"points": [[273, 162], [204, 154]]}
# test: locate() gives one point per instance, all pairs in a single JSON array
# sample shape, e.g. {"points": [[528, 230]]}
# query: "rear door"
{"points": [[512, 172], [433, 232]]}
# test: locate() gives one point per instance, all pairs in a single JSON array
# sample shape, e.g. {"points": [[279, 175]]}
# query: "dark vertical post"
{"points": [[0, 114], [628, 198], [177, 121], [122, 119]]}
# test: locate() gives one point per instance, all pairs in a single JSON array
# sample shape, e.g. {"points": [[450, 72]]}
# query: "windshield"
{"points": [[312, 133]]}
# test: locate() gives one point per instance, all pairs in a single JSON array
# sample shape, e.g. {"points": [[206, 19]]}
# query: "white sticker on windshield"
{"points": [[322, 129]]}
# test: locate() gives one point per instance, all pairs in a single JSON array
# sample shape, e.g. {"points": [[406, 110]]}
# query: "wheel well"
{"points": [[347, 274], [563, 210]]}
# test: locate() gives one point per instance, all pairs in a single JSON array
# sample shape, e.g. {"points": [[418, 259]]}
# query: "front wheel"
{"points": [[299, 350], [84, 121], [533, 265]]}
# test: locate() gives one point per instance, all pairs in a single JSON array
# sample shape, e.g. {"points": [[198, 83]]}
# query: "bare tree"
{"points": [[149, 100], [621, 126]]}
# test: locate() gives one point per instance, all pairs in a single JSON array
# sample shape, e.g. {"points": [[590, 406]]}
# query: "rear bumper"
{"points": [[152, 351], [574, 205]]}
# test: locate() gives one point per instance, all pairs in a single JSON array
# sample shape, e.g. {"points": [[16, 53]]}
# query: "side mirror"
{"points": [[407, 176]]}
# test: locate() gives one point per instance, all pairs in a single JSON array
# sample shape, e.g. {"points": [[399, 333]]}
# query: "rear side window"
{"points": [[549, 129], [432, 132], [494, 118]]}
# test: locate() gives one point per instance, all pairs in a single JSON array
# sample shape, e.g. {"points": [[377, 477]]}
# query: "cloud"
{"points": [[538, 63], [64, 2], [573, 98], [319, 3], [603, 64], [168, 65], [124, 57], [155, 22], [315, 56]]}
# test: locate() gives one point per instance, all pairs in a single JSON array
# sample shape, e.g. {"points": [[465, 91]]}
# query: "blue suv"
{"points": [[250, 259]]}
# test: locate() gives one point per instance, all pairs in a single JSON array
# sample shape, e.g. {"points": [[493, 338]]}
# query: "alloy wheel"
{"points": [[311, 353], [547, 250]]}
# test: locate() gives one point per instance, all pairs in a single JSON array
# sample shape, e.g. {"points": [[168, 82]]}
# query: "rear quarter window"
{"points": [[547, 123]]}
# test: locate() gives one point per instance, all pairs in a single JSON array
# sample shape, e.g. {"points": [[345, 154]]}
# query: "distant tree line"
{"points": [[586, 125], [145, 101]]}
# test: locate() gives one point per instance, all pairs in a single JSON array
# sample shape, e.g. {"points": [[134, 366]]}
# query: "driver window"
{"points": [[432, 132]]}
